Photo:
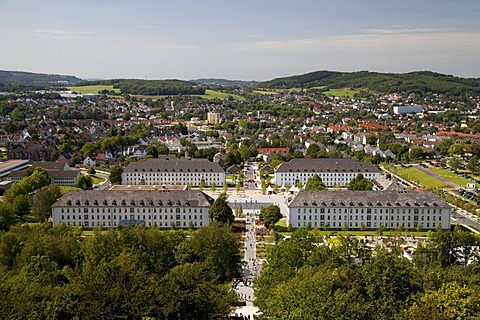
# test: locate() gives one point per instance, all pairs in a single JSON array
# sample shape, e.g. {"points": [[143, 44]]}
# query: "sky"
{"points": [[243, 39]]}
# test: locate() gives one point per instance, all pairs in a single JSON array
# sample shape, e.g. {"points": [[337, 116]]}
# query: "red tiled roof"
{"points": [[273, 150]]}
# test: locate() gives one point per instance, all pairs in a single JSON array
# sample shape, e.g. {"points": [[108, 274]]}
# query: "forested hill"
{"points": [[413, 82], [226, 82], [36, 79], [150, 87]]}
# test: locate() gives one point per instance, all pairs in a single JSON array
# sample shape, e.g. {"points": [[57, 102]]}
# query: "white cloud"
{"points": [[360, 42], [172, 46], [55, 34], [401, 31]]}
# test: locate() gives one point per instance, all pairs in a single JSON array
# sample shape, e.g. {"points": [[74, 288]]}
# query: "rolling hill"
{"points": [[413, 82], [35, 79]]}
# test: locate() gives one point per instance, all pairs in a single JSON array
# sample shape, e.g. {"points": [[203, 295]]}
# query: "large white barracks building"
{"points": [[369, 208], [170, 170], [111, 208], [333, 172]]}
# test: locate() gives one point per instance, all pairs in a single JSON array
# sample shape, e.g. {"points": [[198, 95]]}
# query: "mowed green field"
{"points": [[209, 94], [92, 89], [414, 175], [450, 176], [212, 94], [348, 93]]}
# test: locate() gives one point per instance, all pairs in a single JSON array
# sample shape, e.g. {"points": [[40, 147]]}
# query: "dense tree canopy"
{"points": [[270, 215], [344, 280], [315, 183], [128, 273], [360, 183], [116, 174], [220, 211]]}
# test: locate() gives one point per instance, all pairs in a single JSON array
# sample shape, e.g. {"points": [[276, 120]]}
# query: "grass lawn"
{"points": [[212, 94], [97, 180], [282, 223], [92, 89], [341, 92], [265, 92], [450, 176], [65, 189], [415, 175]]}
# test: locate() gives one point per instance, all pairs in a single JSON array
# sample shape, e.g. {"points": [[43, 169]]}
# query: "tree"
{"points": [[38, 179], [360, 183], [270, 215], [416, 154], [193, 293], [85, 182], [232, 157], [91, 171], [116, 174], [216, 245], [473, 164], [43, 201], [220, 211], [315, 183], [454, 163], [450, 301]]}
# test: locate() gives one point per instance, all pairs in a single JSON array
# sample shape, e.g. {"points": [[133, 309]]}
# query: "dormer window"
{"points": [[77, 202], [95, 202], [124, 203], [114, 202], [132, 202], [87, 202], [105, 202]]}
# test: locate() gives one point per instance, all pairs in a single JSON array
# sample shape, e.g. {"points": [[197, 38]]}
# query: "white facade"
{"points": [[407, 109], [174, 171], [89, 162], [333, 172], [370, 209], [213, 117], [112, 208]]}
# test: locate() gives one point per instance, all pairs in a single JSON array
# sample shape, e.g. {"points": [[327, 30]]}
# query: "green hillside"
{"points": [[29, 78], [148, 87], [413, 82]]}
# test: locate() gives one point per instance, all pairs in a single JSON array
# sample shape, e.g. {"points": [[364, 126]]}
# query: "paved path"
{"points": [[250, 271], [436, 176]]}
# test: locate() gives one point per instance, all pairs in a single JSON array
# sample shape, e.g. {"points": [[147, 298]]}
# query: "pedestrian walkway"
{"points": [[243, 287]]}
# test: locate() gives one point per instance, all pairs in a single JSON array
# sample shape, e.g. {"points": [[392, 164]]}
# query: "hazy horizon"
{"points": [[249, 40]]}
